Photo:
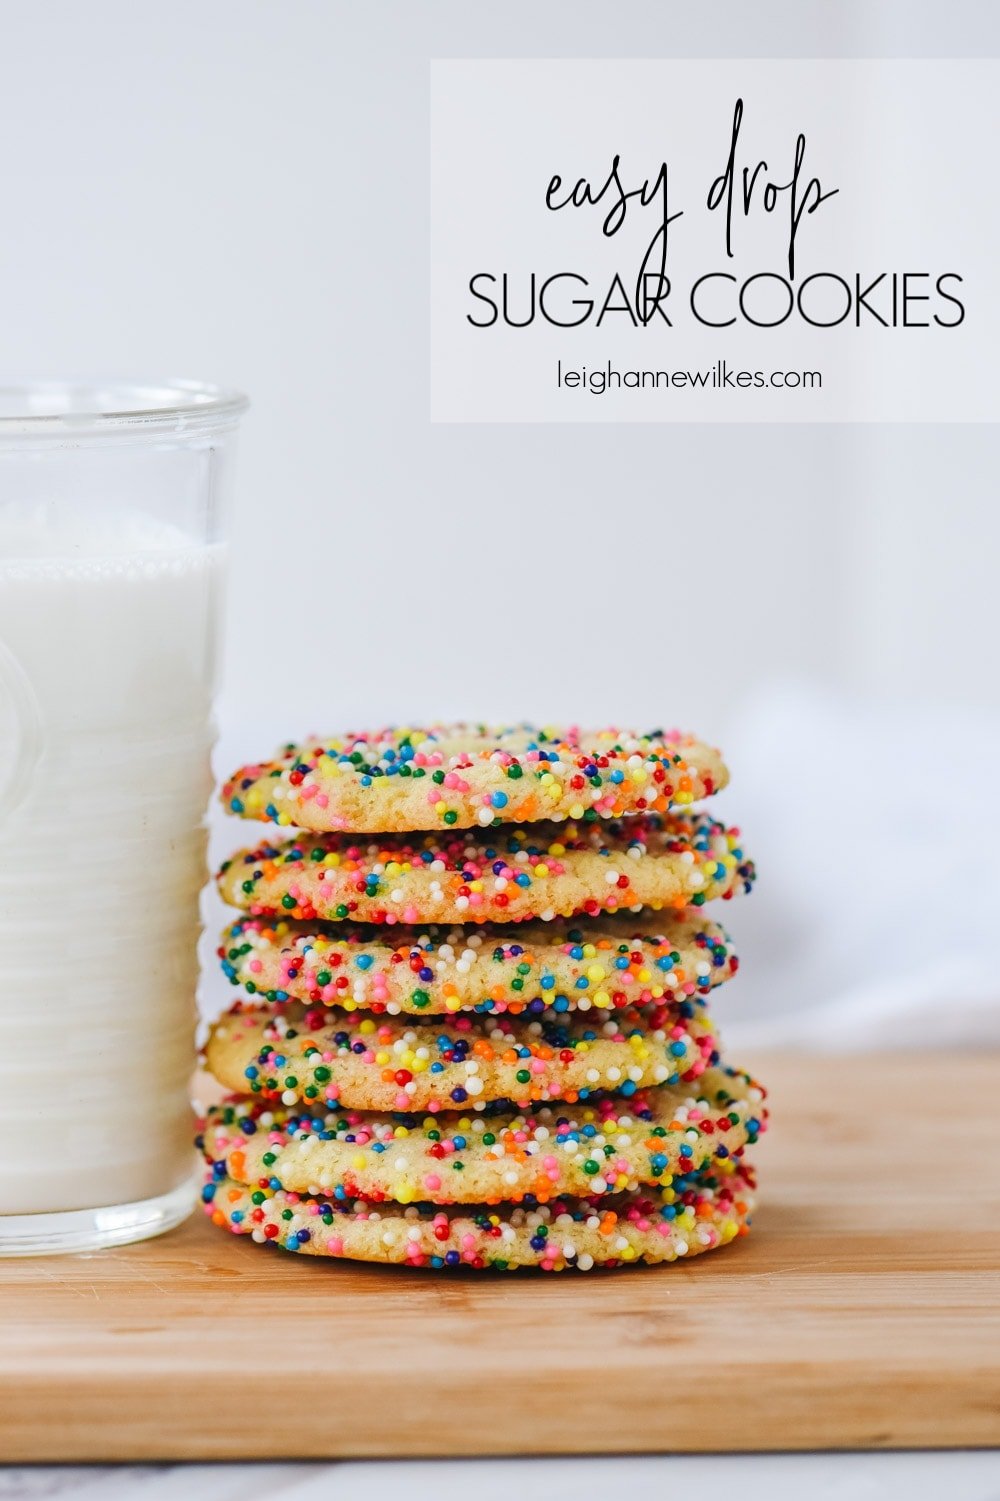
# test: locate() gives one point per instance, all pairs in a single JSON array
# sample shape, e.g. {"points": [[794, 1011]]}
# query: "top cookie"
{"points": [[462, 775]]}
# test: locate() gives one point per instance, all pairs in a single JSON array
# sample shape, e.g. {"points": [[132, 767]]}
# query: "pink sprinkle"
{"points": [[432, 1181]]}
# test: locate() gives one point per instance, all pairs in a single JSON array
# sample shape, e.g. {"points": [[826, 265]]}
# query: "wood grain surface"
{"points": [[863, 1311]]}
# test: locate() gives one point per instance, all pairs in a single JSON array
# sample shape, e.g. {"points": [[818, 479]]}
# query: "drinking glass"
{"points": [[112, 497]]}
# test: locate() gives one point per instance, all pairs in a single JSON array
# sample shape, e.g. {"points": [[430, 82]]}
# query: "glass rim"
{"points": [[69, 409]]}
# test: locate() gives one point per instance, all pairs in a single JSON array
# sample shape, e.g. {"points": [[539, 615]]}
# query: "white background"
{"points": [[240, 192], [898, 149]]}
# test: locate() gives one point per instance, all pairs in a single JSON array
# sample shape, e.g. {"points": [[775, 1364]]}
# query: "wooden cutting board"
{"points": [[863, 1311]]}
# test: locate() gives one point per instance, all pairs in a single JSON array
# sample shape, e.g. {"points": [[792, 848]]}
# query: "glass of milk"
{"points": [[111, 561]]}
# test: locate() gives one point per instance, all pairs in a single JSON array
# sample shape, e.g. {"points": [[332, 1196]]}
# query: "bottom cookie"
{"points": [[697, 1212]]}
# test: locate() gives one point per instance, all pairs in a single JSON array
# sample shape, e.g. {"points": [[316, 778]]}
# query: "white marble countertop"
{"points": [[963, 1475]]}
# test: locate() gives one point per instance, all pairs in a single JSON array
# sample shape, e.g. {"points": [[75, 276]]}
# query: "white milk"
{"points": [[103, 857]]}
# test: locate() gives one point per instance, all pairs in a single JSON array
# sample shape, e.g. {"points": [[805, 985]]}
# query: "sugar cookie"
{"points": [[698, 1212], [465, 775], [503, 875], [609, 1146], [611, 962], [292, 1053]]}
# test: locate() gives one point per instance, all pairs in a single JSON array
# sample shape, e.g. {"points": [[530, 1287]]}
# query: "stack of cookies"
{"points": [[475, 1028]]}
